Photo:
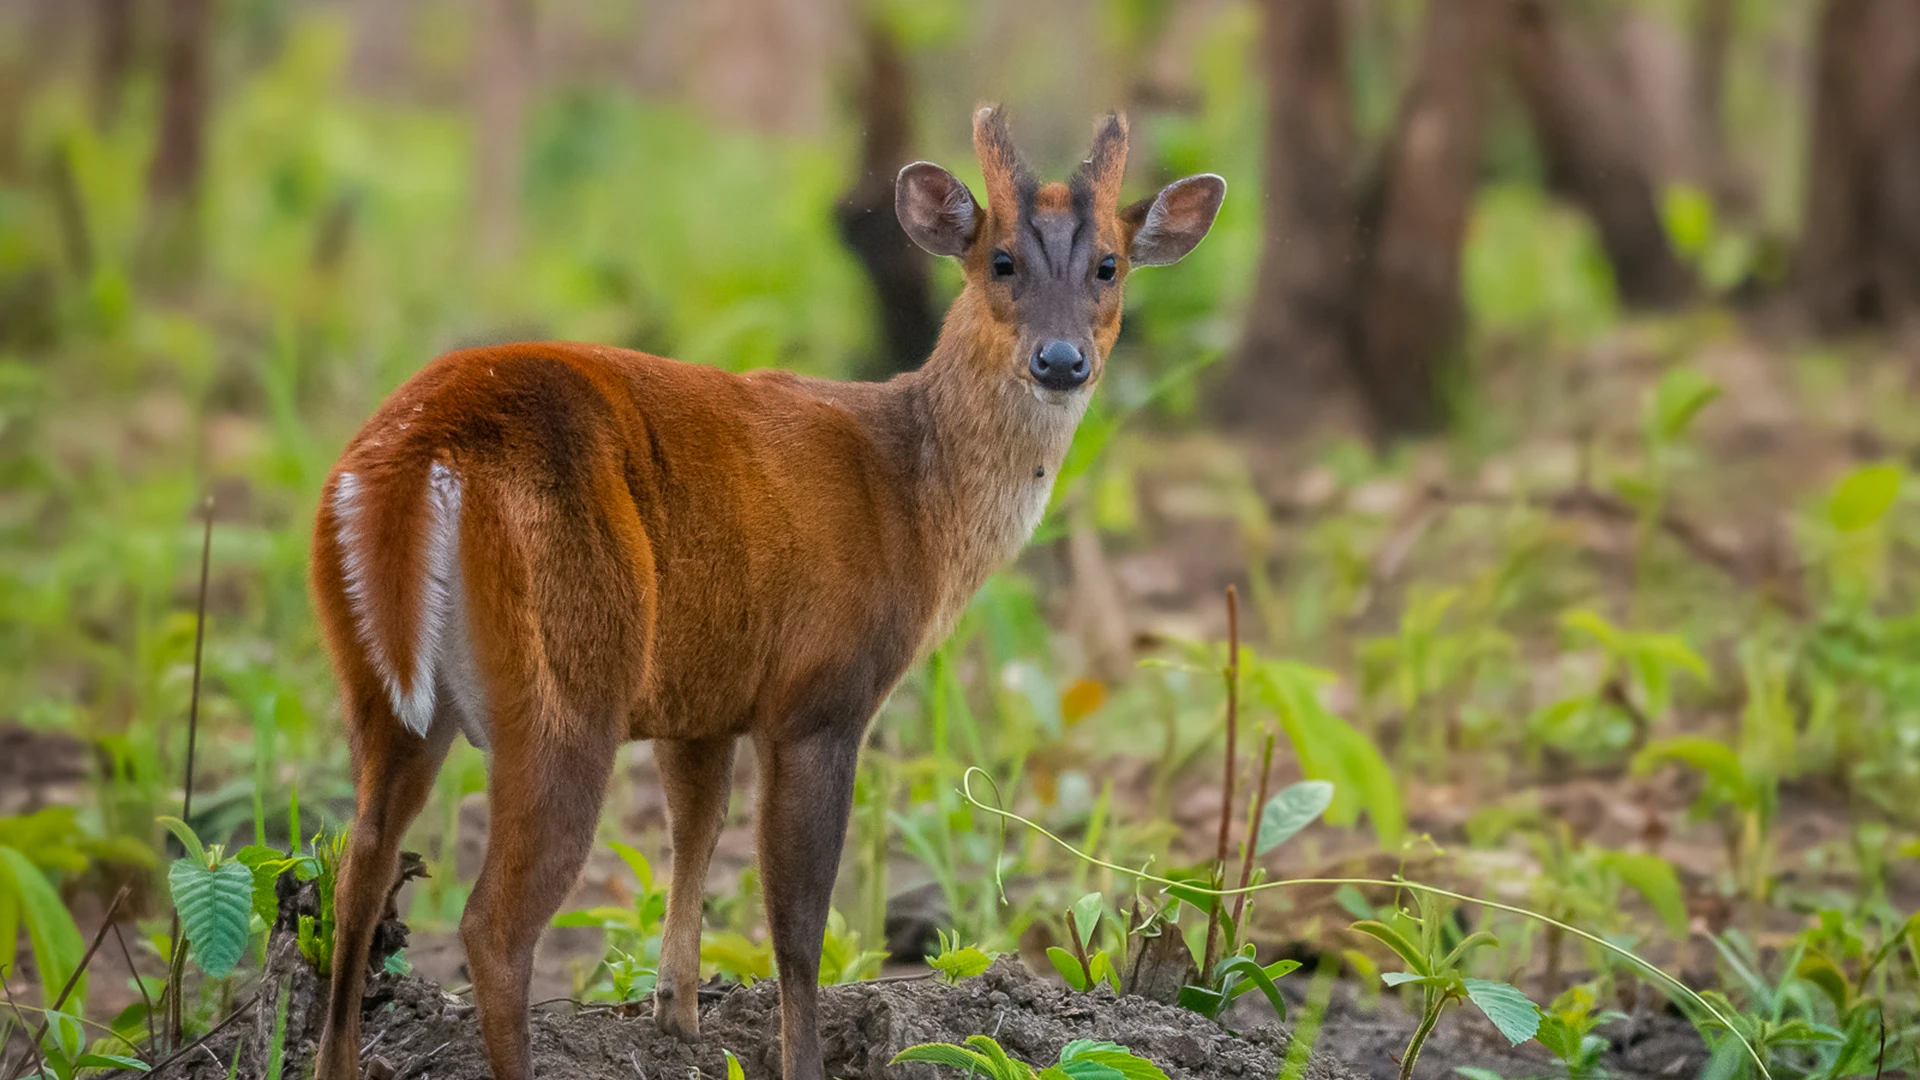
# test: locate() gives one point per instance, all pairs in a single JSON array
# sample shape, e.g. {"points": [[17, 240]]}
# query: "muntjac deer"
{"points": [[557, 548]]}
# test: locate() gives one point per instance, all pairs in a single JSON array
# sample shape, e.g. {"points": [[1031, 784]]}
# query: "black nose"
{"points": [[1059, 365]]}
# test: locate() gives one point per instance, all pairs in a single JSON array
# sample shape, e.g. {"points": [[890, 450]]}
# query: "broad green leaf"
{"points": [[1090, 1069], [1001, 1064], [1863, 498], [1086, 916], [1510, 1010], [1293, 809], [1653, 878], [214, 907], [51, 933], [734, 1071], [1068, 965], [1402, 978], [1475, 1072], [1392, 938]]}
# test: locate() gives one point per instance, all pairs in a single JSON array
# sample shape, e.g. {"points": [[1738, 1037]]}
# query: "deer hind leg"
{"points": [[697, 775], [394, 771]]}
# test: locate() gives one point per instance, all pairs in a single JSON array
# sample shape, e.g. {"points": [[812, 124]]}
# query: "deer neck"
{"points": [[987, 450]]}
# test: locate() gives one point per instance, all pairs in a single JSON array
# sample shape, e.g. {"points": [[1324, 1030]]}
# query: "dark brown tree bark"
{"points": [[1584, 126], [909, 324], [1407, 325], [1713, 31], [173, 179], [1295, 342], [1860, 240], [113, 51]]}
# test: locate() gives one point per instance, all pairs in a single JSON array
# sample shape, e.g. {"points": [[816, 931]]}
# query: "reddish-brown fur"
{"points": [[644, 549]]}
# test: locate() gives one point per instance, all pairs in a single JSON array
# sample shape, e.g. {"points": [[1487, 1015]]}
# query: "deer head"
{"points": [[1046, 264]]}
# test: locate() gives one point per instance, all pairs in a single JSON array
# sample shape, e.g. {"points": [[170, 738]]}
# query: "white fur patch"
{"points": [[443, 647]]}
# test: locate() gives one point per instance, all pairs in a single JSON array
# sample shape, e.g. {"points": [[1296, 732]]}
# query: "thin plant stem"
{"points": [[1253, 834], [153, 1037], [1419, 1039], [177, 968], [33, 1045], [1141, 873], [1212, 953]]}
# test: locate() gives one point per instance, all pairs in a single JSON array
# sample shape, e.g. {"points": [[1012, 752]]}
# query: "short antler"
{"points": [[1106, 163], [1001, 165]]}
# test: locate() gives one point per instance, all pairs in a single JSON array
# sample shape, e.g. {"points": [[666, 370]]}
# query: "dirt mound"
{"points": [[423, 1032]]}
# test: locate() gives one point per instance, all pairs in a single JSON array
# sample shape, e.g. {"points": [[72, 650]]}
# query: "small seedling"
{"points": [[955, 961], [1438, 972], [1085, 967]]}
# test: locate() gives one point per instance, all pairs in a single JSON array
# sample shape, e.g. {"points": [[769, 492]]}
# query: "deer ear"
{"points": [[1163, 229], [935, 208]]}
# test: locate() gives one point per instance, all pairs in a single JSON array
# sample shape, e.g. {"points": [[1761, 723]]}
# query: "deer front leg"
{"points": [[697, 775], [806, 792]]}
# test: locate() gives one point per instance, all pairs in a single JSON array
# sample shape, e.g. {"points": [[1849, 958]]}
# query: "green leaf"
{"points": [[1249, 969], [1653, 878], [1402, 978], [734, 1071], [1510, 1010], [111, 1061], [1677, 398], [1086, 916], [957, 963], [1475, 1072], [27, 896], [1121, 1060], [1293, 809], [944, 1054], [214, 907], [187, 837], [636, 862], [1714, 758], [1398, 942], [1687, 214], [1068, 965], [1863, 498]]}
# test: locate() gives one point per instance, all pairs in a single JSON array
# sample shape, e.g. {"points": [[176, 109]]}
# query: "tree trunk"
{"points": [[112, 57], [1857, 250], [1712, 43], [1408, 315], [1294, 345], [898, 270], [503, 83], [1584, 125], [173, 179]]}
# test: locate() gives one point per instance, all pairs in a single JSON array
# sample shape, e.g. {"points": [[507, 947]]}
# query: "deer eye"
{"points": [[1002, 264], [1108, 267]]}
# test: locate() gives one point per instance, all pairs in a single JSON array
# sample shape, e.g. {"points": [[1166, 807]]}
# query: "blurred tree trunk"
{"points": [[1294, 344], [1584, 125], [113, 49], [504, 80], [380, 42], [173, 179], [1414, 220], [1859, 257], [1712, 43], [898, 270]]}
